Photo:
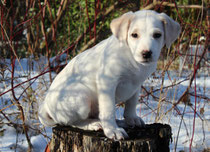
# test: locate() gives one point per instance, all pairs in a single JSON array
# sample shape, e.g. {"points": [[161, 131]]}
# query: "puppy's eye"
{"points": [[157, 35], [134, 35]]}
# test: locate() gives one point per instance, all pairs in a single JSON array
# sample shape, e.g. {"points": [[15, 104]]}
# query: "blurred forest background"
{"points": [[49, 27], [57, 30]]}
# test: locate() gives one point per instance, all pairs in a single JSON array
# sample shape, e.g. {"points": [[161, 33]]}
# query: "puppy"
{"points": [[85, 92]]}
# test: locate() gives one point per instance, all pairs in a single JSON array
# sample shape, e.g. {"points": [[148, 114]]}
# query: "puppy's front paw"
{"points": [[115, 133], [134, 121]]}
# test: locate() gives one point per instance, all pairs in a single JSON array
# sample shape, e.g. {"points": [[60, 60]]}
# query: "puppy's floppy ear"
{"points": [[172, 29], [120, 25]]}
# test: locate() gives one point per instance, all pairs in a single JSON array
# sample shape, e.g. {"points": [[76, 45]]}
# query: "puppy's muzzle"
{"points": [[146, 54]]}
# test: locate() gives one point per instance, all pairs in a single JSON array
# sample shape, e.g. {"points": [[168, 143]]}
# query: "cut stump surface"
{"points": [[153, 138]]}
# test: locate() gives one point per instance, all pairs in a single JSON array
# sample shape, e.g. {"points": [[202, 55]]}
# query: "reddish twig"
{"points": [[45, 36], [19, 106], [86, 7]]}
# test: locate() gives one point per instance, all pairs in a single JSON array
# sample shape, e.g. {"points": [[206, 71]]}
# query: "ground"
{"points": [[189, 129]]}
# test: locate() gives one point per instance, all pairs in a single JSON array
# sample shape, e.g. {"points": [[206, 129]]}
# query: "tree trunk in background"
{"points": [[152, 138]]}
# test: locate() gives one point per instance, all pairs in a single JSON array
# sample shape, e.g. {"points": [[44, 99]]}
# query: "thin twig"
{"points": [[155, 3], [177, 137], [20, 108]]}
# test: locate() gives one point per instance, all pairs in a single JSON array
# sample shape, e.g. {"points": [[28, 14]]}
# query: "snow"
{"points": [[181, 119]]}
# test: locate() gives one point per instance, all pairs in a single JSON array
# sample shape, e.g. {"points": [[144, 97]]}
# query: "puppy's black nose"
{"points": [[146, 54]]}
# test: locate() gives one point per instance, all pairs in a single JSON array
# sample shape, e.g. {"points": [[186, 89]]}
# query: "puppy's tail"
{"points": [[45, 118]]}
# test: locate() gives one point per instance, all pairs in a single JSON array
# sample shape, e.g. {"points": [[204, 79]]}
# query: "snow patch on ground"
{"points": [[182, 127]]}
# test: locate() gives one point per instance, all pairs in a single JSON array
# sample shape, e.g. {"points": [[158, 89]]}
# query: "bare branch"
{"points": [[155, 3]]}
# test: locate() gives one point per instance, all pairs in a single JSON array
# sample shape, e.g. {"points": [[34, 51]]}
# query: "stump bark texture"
{"points": [[152, 138]]}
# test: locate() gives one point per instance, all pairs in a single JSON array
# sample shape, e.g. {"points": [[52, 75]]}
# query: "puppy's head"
{"points": [[145, 32]]}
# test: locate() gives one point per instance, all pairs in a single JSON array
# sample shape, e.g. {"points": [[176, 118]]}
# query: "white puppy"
{"points": [[85, 92]]}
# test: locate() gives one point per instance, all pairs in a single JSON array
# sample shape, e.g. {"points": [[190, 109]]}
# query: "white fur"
{"points": [[85, 92]]}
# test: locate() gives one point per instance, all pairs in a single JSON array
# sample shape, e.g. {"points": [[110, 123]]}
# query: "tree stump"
{"points": [[152, 138]]}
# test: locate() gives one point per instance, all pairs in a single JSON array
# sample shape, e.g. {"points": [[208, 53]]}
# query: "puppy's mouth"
{"points": [[144, 61], [147, 61]]}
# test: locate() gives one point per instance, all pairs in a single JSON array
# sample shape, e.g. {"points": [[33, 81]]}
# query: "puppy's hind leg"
{"points": [[81, 105], [89, 124]]}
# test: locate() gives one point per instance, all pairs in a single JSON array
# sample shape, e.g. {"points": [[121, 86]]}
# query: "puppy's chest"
{"points": [[126, 89]]}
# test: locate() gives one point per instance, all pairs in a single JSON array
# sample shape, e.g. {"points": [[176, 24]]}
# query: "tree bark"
{"points": [[152, 138]]}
